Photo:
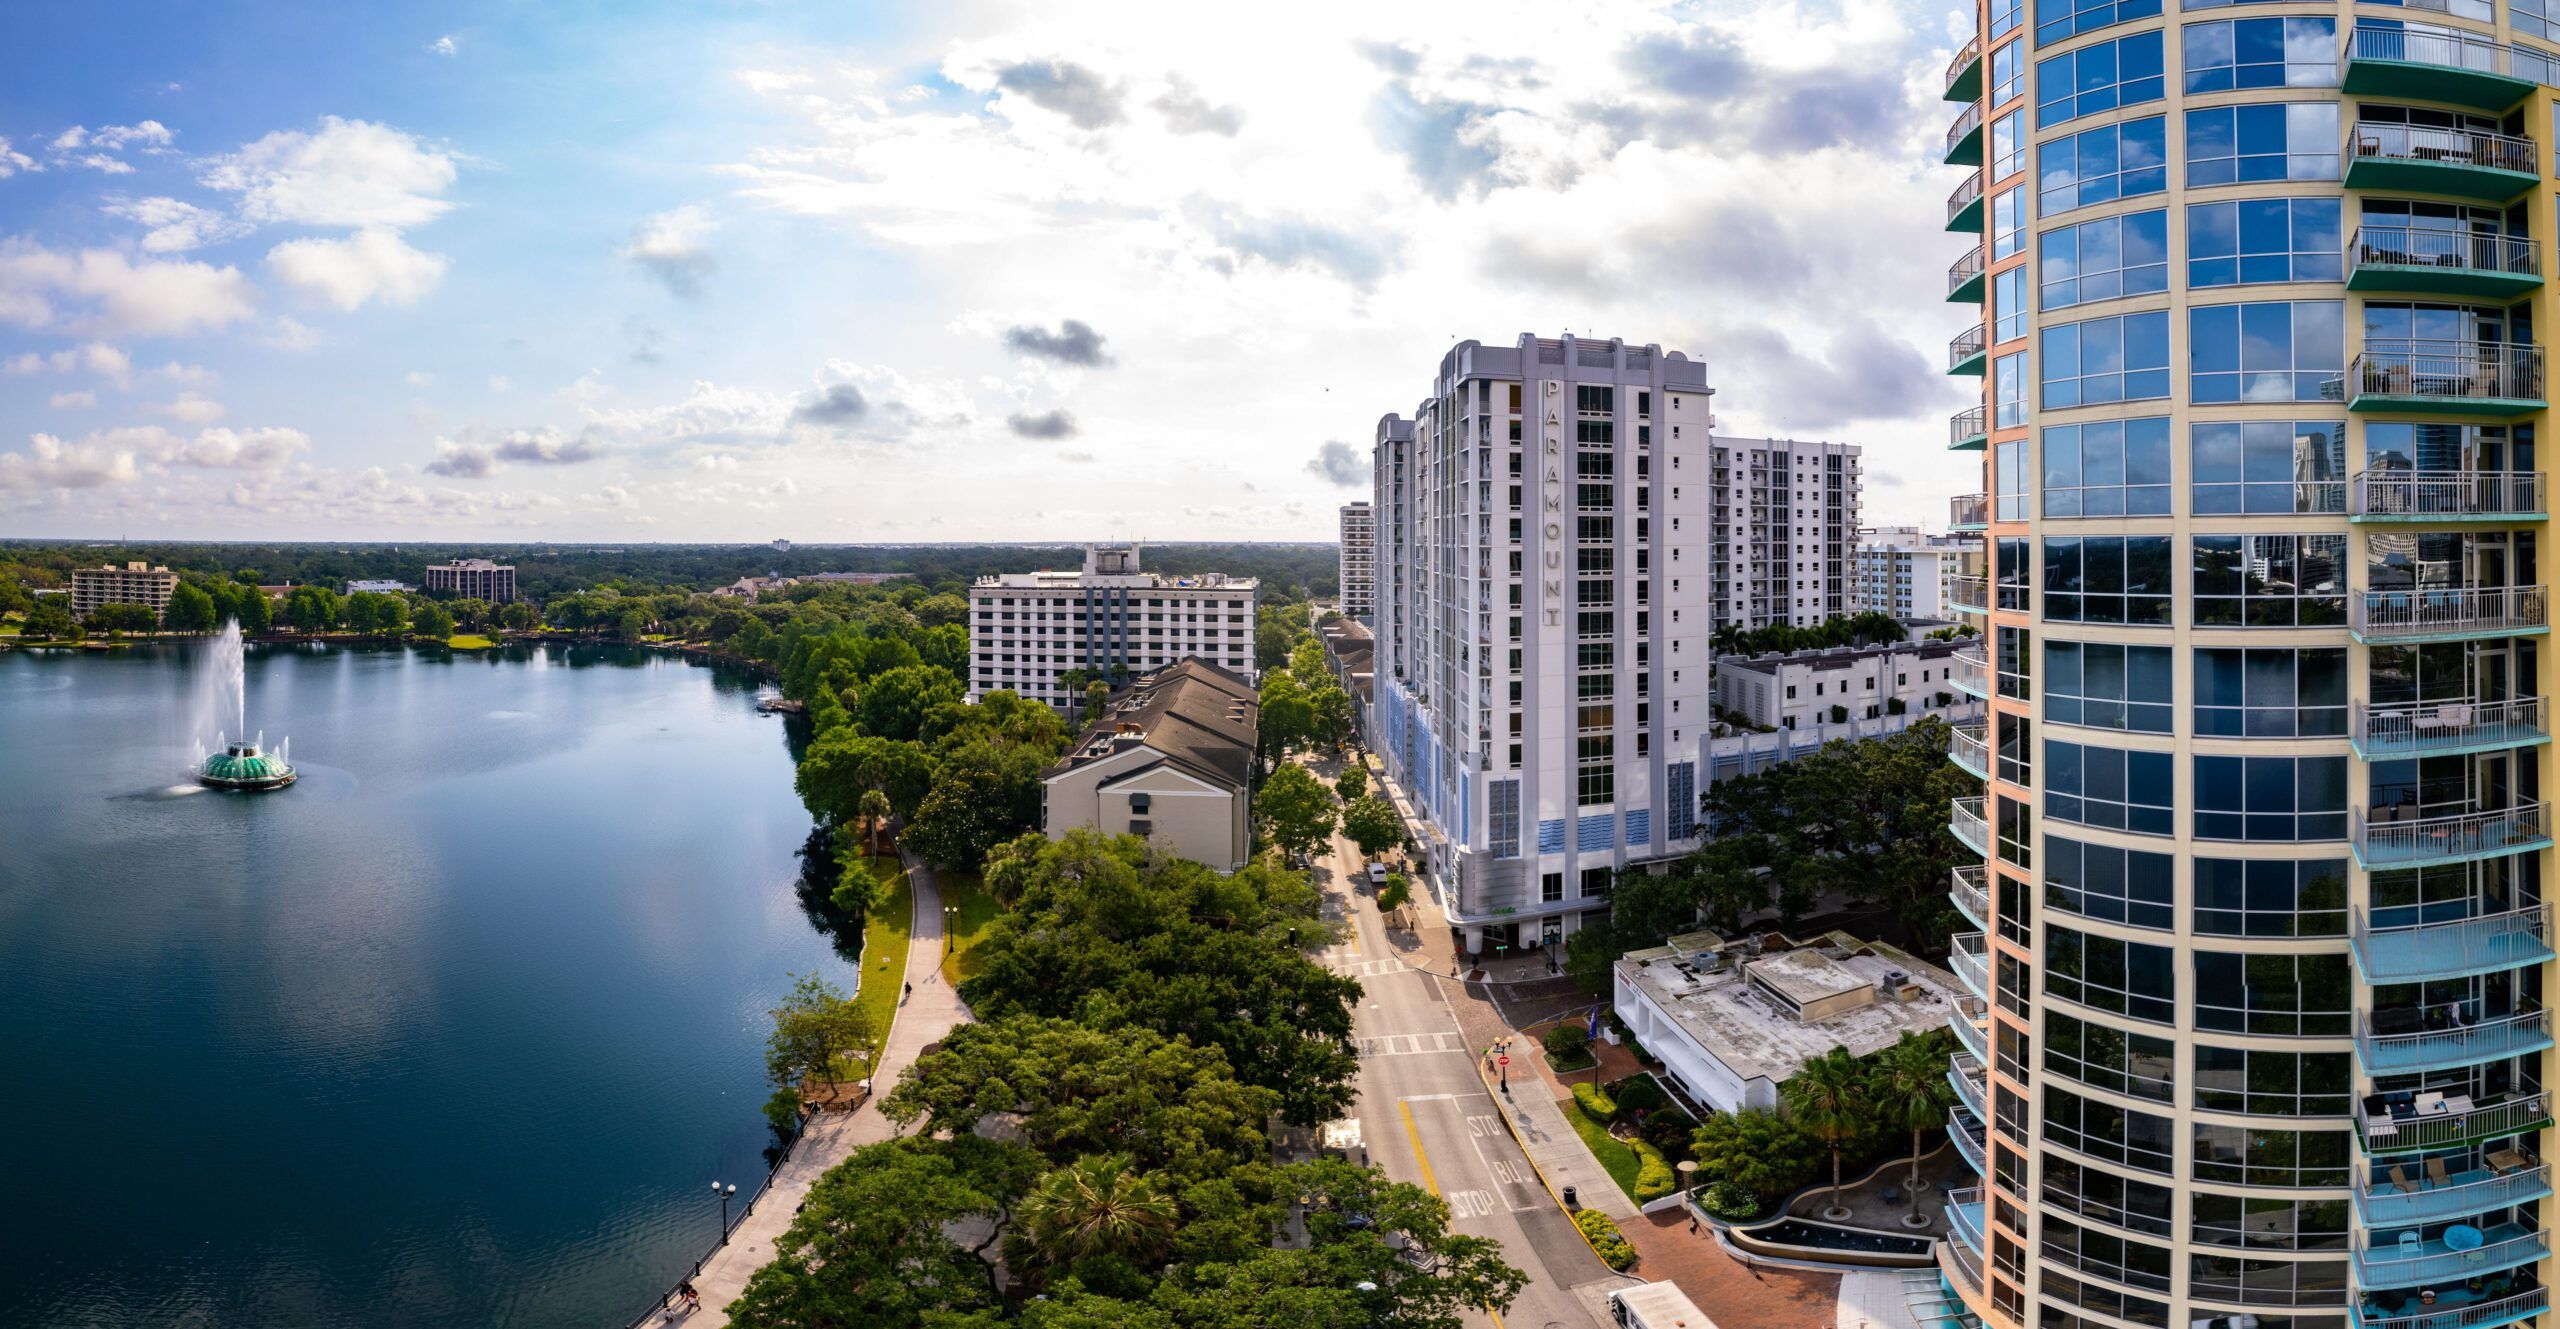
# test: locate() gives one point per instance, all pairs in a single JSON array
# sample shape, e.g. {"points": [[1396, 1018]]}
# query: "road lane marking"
{"points": [[1408, 1045], [1414, 1134]]}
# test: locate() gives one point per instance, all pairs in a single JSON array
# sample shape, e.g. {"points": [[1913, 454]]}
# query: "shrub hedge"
{"points": [[1605, 1238], [1597, 1105]]}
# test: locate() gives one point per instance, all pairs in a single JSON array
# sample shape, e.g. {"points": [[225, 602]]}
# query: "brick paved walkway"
{"points": [[1738, 1297]]}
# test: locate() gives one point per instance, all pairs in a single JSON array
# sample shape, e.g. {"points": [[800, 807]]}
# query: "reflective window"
{"points": [[2275, 996], [2119, 1060], [2009, 221], [2271, 466], [2278, 692], [2010, 487], [2104, 259], [2109, 1133], [2132, 1263], [2104, 164], [2229, 145], [2108, 579], [2270, 897], [2270, 1282], [2112, 885], [2057, 19], [2262, 352], [2261, 53], [2270, 581], [2534, 18], [2272, 1084], [2102, 685], [2005, 17], [2097, 78], [2016, 671], [2008, 66], [2109, 468], [2009, 390], [2104, 360], [2250, 241], [2093, 1193], [2258, 1156], [2110, 788], [2268, 799], [2009, 304], [2065, 1296], [2008, 145]]}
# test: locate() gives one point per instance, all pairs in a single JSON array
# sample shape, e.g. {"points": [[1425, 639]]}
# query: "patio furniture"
{"points": [[2464, 1237], [2505, 1161], [2429, 1104], [2410, 1247], [2436, 1172], [2400, 1180]]}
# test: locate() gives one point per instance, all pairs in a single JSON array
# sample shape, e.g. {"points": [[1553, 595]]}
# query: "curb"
{"points": [[1502, 1106]]}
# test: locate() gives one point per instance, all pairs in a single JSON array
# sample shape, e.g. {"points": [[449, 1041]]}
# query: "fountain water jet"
{"points": [[222, 695]]}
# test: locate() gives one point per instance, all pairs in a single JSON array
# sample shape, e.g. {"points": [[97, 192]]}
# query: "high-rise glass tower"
{"points": [[2262, 949]]}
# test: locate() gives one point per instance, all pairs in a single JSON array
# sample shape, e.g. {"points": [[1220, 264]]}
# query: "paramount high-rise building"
{"points": [[2262, 950]]}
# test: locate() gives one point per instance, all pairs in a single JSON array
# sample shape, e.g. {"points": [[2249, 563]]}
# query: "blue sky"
{"points": [[973, 271]]}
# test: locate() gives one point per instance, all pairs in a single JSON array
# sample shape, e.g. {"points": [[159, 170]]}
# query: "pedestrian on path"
{"points": [[909, 992]]}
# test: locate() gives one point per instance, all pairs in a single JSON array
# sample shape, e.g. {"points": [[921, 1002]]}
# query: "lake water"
{"points": [[459, 1030]]}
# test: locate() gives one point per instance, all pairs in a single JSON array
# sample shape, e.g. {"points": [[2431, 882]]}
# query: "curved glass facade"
{"points": [[2264, 941]]}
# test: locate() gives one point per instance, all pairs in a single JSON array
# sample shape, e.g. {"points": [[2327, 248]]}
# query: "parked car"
{"points": [[1377, 874]]}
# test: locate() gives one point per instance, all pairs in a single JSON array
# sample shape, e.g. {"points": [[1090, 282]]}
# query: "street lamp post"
{"points": [[950, 920], [725, 1194]]}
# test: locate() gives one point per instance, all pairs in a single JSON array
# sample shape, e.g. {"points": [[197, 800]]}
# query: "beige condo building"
{"points": [[134, 583]]}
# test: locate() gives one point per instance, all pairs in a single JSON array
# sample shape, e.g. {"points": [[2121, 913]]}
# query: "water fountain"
{"points": [[222, 695]]}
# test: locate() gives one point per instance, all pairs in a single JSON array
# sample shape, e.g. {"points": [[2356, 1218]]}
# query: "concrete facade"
{"points": [[1801, 690], [1028, 629], [1903, 571], [134, 583], [1785, 531], [474, 578], [1171, 759], [1359, 560]]}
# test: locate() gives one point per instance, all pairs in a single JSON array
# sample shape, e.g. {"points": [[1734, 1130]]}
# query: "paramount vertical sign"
{"points": [[1551, 504]]}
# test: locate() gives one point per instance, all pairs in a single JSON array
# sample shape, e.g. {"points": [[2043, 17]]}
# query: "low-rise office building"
{"points": [[380, 587], [475, 578], [1170, 758], [132, 584], [1804, 689], [1108, 620]]}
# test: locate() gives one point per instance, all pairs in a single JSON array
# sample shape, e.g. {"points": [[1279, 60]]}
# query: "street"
{"points": [[1426, 1117]]}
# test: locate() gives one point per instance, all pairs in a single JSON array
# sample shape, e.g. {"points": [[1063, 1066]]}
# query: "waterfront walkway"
{"points": [[923, 1020]]}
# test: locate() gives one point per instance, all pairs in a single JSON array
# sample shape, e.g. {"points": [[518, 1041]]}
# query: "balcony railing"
{"points": [[2449, 612], [2411, 1263], [1972, 895], [2442, 259], [1970, 748], [2382, 141], [2449, 1121], [1964, 1217], [2471, 1315], [2396, 837], [2419, 729], [1970, 593], [2434, 63], [1964, 817], [1967, 126], [1965, 351], [1965, 1130], [2448, 495], [1969, 1031], [2447, 374], [1964, 205], [1967, 429], [1964, 271], [2405, 1193], [1968, 59], [2451, 1046], [1970, 1084], [2459, 948], [1968, 512]]}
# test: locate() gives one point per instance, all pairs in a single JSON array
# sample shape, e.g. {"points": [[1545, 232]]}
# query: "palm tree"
{"points": [[1829, 1098], [1912, 1092], [1096, 1206], [873, 808]]}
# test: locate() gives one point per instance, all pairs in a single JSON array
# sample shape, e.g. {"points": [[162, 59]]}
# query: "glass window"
{"points": [[2009, 222], [2262, 352], [2110, 788], [2230, 145], [2005, 18], [2257, 1156], [2251, 241], [2268, 798], [2101, 360], [2112, 885], [2104, 259], [2270, 1282], [2111, 162], [2109, 1133], [2010, 487], [2279, 692], [2261, 53], [2533, 18], [2109, 468], [2271, 897], [2097, 78], [2009, 390], [2108, 579], [2138, 1065], [2008, 145], [2009, 304], [2057, 19], [2270, 581], [2136, 1206], [2008, 65], [2101, 685], [2274, 996], [2132, 1263], [2016, 672], [2065, 1296], [2272, 1084], [2268, 466]]}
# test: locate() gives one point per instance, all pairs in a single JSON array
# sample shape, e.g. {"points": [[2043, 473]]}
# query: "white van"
{"points": [[1657, 1306], [1377, 874]]}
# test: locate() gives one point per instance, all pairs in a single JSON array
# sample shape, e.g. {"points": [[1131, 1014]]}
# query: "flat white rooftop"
{"points": [[1706, 985]]}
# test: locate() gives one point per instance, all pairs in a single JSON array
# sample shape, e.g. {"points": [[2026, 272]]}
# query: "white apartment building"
{"points": [[1803, 690], [1359, 561], [1785, 533], [1903, 571], [474, 578], [1541, 664], [132, 584], [380, 586], [1026, 629]]}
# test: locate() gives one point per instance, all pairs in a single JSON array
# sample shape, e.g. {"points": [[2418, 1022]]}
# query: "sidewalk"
{"points": [[1559, 1155], [923, 1020]]}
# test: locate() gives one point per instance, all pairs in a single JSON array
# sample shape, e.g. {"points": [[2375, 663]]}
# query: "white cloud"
{"points": [[94, 358], [13, 161], [175, 225], [81, 400], [374, 263], [193, 408], [349, 173], [120, 456], [96, 149], [100, 291], [442, 46], [417, 378], [499, 383], [670, 248]]}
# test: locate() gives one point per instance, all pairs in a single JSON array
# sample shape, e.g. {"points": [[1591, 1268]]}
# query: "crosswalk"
{"points": [[1351, 967], [1409, 1045]]}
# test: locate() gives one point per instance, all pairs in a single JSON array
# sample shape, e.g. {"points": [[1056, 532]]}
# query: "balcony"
{"points": [[2439, 66], [2396, 838], [2446, 728], [1969, 1032], [1964, 279], [2448, 1048], [1965, 1130], [1964, 818], [1967, 959], [1968, 429], [2434, 262], [1970, 1085], [2457, 948], [2452, 613], [2485, 1314], [2492, 168], [1964, 73], [1970, 748], [2447, 496], [2497, 381], [1971, 674], [1970, 594], [1964, 138], [2409, 1194], [1968, 352], [2411, 1262], [1964, 206], [1968, 512], [2425, 1123], [1964, 1217], [1971, 894]]}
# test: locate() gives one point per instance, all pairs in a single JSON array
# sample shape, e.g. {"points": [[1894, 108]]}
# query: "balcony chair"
{"points": [[2436, 1173], [2400, 1181]]}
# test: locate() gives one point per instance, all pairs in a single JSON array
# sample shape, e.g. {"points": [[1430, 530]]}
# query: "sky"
{"points": [[843, 272]]}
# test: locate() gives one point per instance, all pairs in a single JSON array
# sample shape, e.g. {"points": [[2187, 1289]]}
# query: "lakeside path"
{"points": [[923, 1020]]}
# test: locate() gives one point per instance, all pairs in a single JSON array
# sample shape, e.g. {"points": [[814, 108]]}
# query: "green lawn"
{"points": [[884, 945], [977, 910], [469, 641], [1621, 1161]]}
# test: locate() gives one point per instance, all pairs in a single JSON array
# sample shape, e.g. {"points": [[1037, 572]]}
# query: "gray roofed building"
{"points": [[1170, 758]]}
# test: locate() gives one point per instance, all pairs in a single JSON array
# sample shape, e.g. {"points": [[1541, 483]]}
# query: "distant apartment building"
{"points": [[1027, 629], [384, 587], [1784, 540], [1359, 560], [475, 578], [1903, 571], [1541, 666], [1171, 759], [133, 584], [1805, 689]]}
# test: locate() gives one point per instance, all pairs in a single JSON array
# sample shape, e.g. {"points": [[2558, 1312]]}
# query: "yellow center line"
{"points": [[1430, 1182]]}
